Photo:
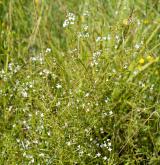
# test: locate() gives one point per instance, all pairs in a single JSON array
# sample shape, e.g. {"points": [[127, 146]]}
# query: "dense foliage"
{"points": [[79, 82]]}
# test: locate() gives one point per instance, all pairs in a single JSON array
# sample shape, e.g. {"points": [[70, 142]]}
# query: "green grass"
{"points": [[87, 93]]}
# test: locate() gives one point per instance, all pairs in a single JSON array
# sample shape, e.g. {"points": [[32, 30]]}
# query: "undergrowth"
{"points": [[79, 82]]}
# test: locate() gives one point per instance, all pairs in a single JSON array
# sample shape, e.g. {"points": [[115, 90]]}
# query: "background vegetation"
{"points": [[79, 82]]}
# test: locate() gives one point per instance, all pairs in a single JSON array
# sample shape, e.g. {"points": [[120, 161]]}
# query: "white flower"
{"points": [[58, 86], [135, 72], [137, 46], [85, 27], [49, 133], [98, 154], [10, 66], [41, 154], [32, 161], [69, 143], [24, 94], [138, 22], [66, 23], [109, 144], [86, 13], [71, 16], [98, 39], [48, 50], [109, 37], [24, 154], [109, 149], [104, 145], [46, 71], [58, 104], [70, 20], [101, 39], [117, 37], [105, 158], [81, 153], [110, 112], [106, 100], [87, 94]]}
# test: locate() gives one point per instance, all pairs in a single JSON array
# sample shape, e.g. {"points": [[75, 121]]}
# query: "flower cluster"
{"points": [[23, 88], [96, 56], [70, 20], [104, 38], [84, 33], [12, 69]]}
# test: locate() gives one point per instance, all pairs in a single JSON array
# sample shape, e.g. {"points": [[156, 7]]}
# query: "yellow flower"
{"points": [[125, 22], [146, 21], [82, 18], [37, 2], [149, 58], [141, 61]]}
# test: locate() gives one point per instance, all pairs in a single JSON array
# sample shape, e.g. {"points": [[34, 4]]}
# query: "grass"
{"points": [[79, 88]]}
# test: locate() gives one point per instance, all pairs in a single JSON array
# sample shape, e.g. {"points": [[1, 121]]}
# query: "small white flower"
{"points": [[46, 71], [109, 149], [117, 37], [105, 158], [135, 72], [137, 46], [49, 133], [110, 112], [48, 50], [101, 38], [138, 22], [109, 37], [98, 154], [87, 110], [98, 39], [81, 153], [10, 108], [24, 94], [32, 161], [58, 103], [78, 147], [101, 129], [86, 13], [106, 100], [87, 94], [89, 154], [69, 143], [66, 23], [104, 145], [24, 154], [41, 154], [35, 141], [85, 27], [109, 144], [91, 139], [24, 122], [58, 86]]}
